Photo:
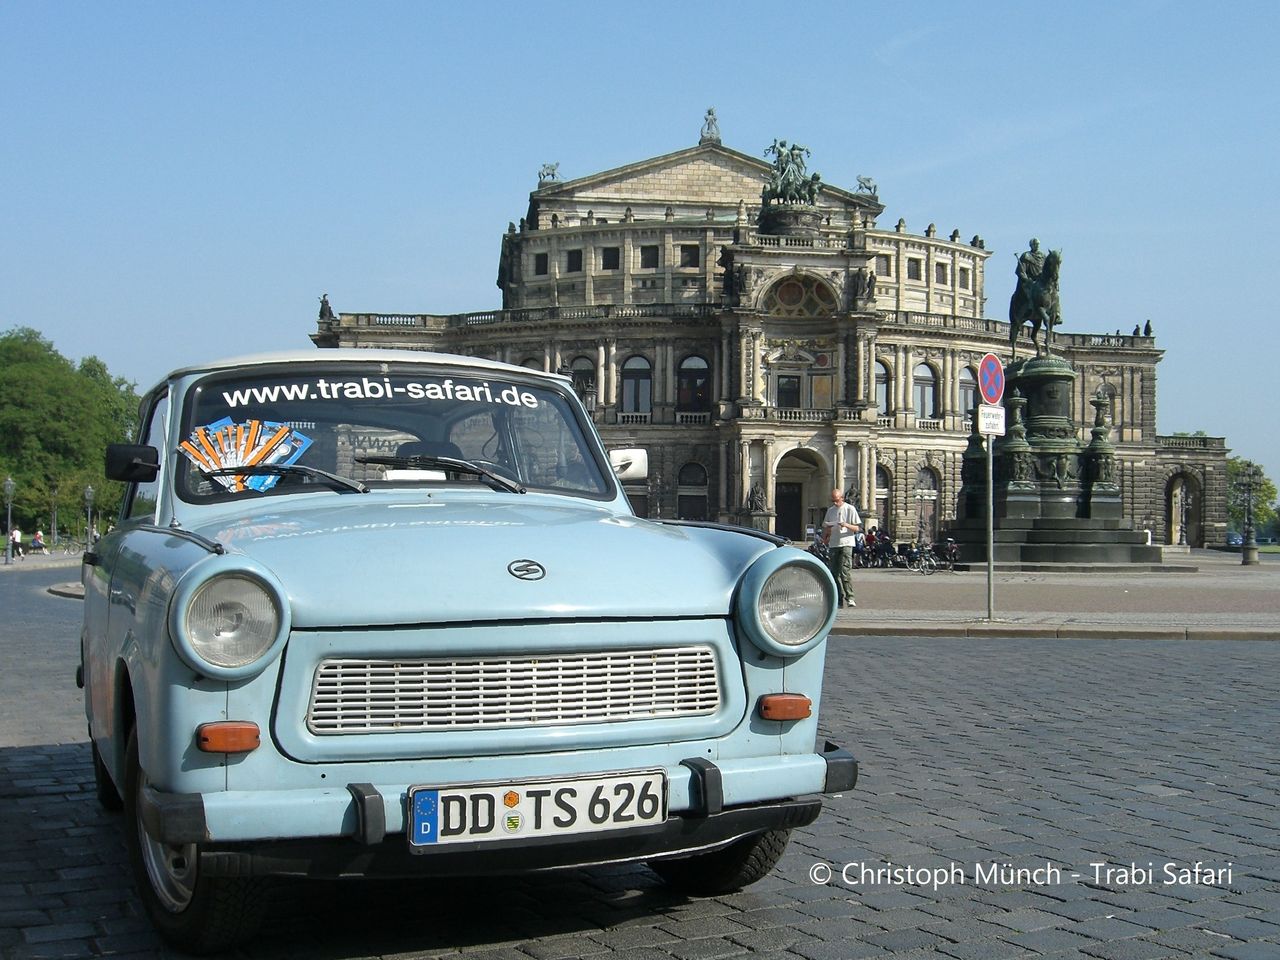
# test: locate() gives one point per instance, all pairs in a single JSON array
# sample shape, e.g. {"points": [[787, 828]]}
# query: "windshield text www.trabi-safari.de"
{"points": [[372, 388]]}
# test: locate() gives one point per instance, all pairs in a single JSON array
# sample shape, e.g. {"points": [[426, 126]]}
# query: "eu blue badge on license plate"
{"points": [[426, 816]]}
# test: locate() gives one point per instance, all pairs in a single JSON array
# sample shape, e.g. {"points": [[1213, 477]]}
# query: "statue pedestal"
{"points": [[1055, 500], [790, 220], [757, 520]]}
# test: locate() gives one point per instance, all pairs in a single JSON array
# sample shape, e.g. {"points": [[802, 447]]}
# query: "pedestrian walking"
{"points": [[839, 529], [15, 536]]}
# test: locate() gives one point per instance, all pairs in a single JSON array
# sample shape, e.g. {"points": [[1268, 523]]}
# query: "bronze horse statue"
{"points": [[1035, 301]]}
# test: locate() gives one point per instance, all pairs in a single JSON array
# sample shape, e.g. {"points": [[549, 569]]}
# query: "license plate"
{"points": [[513, 811]]}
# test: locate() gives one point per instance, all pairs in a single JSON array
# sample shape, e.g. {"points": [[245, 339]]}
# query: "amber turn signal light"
{"points": [[785, 706], [228, 736]]}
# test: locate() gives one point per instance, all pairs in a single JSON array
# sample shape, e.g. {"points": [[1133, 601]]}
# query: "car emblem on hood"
{"points": [[526, 569]]}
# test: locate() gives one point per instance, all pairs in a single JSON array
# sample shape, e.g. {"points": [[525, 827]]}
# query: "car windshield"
{"points": [[381, 425]]}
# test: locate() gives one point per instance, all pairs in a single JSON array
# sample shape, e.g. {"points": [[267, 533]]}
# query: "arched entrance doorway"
{"points": [[1184, 510], [926, 505], [799, 499], [884, 500]]}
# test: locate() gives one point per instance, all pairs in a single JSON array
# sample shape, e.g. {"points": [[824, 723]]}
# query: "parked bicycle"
{"points": [[947, 554], [920, 558]]}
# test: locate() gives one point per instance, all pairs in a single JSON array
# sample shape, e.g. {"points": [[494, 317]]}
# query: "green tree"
{"points": [[56, 420], [1264, 495]]}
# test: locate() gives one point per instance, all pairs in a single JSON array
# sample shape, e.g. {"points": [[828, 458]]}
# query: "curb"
{"points": [[72, 591], [1050, 631]]}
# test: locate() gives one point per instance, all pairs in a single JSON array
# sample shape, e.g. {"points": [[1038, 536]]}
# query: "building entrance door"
{"points": [[789, 505]]}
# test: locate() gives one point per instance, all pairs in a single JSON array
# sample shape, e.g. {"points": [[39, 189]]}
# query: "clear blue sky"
{"points": [[183, 180]]}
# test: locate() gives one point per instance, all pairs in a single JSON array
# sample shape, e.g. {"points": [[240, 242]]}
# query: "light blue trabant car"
{"points": [[371, 613]]}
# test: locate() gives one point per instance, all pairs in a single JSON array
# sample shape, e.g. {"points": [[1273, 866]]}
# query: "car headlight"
{"points": [[232, 621], [793, 605], [229, 623], [786, 603]]}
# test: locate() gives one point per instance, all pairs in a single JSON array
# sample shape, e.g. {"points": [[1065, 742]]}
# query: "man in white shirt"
{"points": [[839, 528]]}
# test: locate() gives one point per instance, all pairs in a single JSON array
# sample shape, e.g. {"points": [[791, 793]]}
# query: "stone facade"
{"points": [[760, 370]]}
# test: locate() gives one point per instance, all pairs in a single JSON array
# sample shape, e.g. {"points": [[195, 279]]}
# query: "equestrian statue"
{"points": [[1035, 300]]}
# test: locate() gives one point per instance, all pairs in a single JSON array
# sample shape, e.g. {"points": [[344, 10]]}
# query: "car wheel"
{"points": [[108, 795], [195, 913], [727, 869]]}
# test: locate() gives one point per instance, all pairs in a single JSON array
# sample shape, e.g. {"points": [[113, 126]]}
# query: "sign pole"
{"points": [[991, 538], [991, 425]]}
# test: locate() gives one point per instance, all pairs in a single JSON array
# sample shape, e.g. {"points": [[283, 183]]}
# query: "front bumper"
{"points": [[369, 845]]}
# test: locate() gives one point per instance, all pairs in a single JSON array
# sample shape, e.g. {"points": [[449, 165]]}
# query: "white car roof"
{"points": [[329, 356]]}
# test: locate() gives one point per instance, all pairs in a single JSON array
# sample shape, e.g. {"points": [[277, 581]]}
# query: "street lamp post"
{"points": [[8, 520], [1249, 552], [53, 513], [88, 516]]}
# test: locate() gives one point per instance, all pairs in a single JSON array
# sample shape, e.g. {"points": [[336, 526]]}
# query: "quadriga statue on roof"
{"points": [[789, 182]]}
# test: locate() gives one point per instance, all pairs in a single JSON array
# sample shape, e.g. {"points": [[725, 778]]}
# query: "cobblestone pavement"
{"points": [[1043, 755]]}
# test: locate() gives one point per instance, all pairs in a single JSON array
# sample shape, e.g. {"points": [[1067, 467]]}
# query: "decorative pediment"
{"points": [[708, 174]]}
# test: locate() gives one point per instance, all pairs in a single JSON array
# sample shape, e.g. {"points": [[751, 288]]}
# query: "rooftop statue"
{"points": [[549, 171], [710, 127], [1035, 300], [790, 182]]}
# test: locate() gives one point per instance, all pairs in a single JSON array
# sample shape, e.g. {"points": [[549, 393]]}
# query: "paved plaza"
{"points": [[1020, 797]]}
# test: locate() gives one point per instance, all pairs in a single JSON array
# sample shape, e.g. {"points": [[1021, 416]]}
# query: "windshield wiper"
{"points": [[494, 480], [341, 484]]}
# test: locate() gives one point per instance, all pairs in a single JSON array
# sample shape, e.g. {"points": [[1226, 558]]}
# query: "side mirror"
{"points": [[132, 462], [630, 464]]}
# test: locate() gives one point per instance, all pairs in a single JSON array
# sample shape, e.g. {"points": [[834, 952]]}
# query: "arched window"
{"points": [[968, 392], [799, 297], [691, 495], [583, 371], [882, 389], [637, 386], [693, 386], [925, 392]]}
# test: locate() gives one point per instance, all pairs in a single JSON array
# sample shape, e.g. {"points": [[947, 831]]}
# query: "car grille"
{"points": [[408, 696]]}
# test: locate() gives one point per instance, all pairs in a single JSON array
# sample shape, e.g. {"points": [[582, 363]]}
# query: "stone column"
{"points": [[657, 382], [838, 464], [842, 385], [744, 481], [722, 487], [865, 482], [726, 351], [757, 366], [769, 483], [744, 364], [627, 252], [600, 368], [613, 371], [671, 372]]}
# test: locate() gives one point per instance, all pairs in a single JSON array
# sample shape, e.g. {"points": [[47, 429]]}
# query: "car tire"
{"points": [[724, 870], [108, 796], [195, 913]]}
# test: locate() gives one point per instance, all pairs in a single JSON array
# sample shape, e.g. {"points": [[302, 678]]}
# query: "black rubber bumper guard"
{"points": [[179, 818]]}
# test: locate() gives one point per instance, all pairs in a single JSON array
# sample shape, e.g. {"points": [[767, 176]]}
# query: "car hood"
{"points": [[437, 561]]}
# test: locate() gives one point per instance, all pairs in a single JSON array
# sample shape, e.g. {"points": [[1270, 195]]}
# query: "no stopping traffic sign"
{"points": [[991, 379]]}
